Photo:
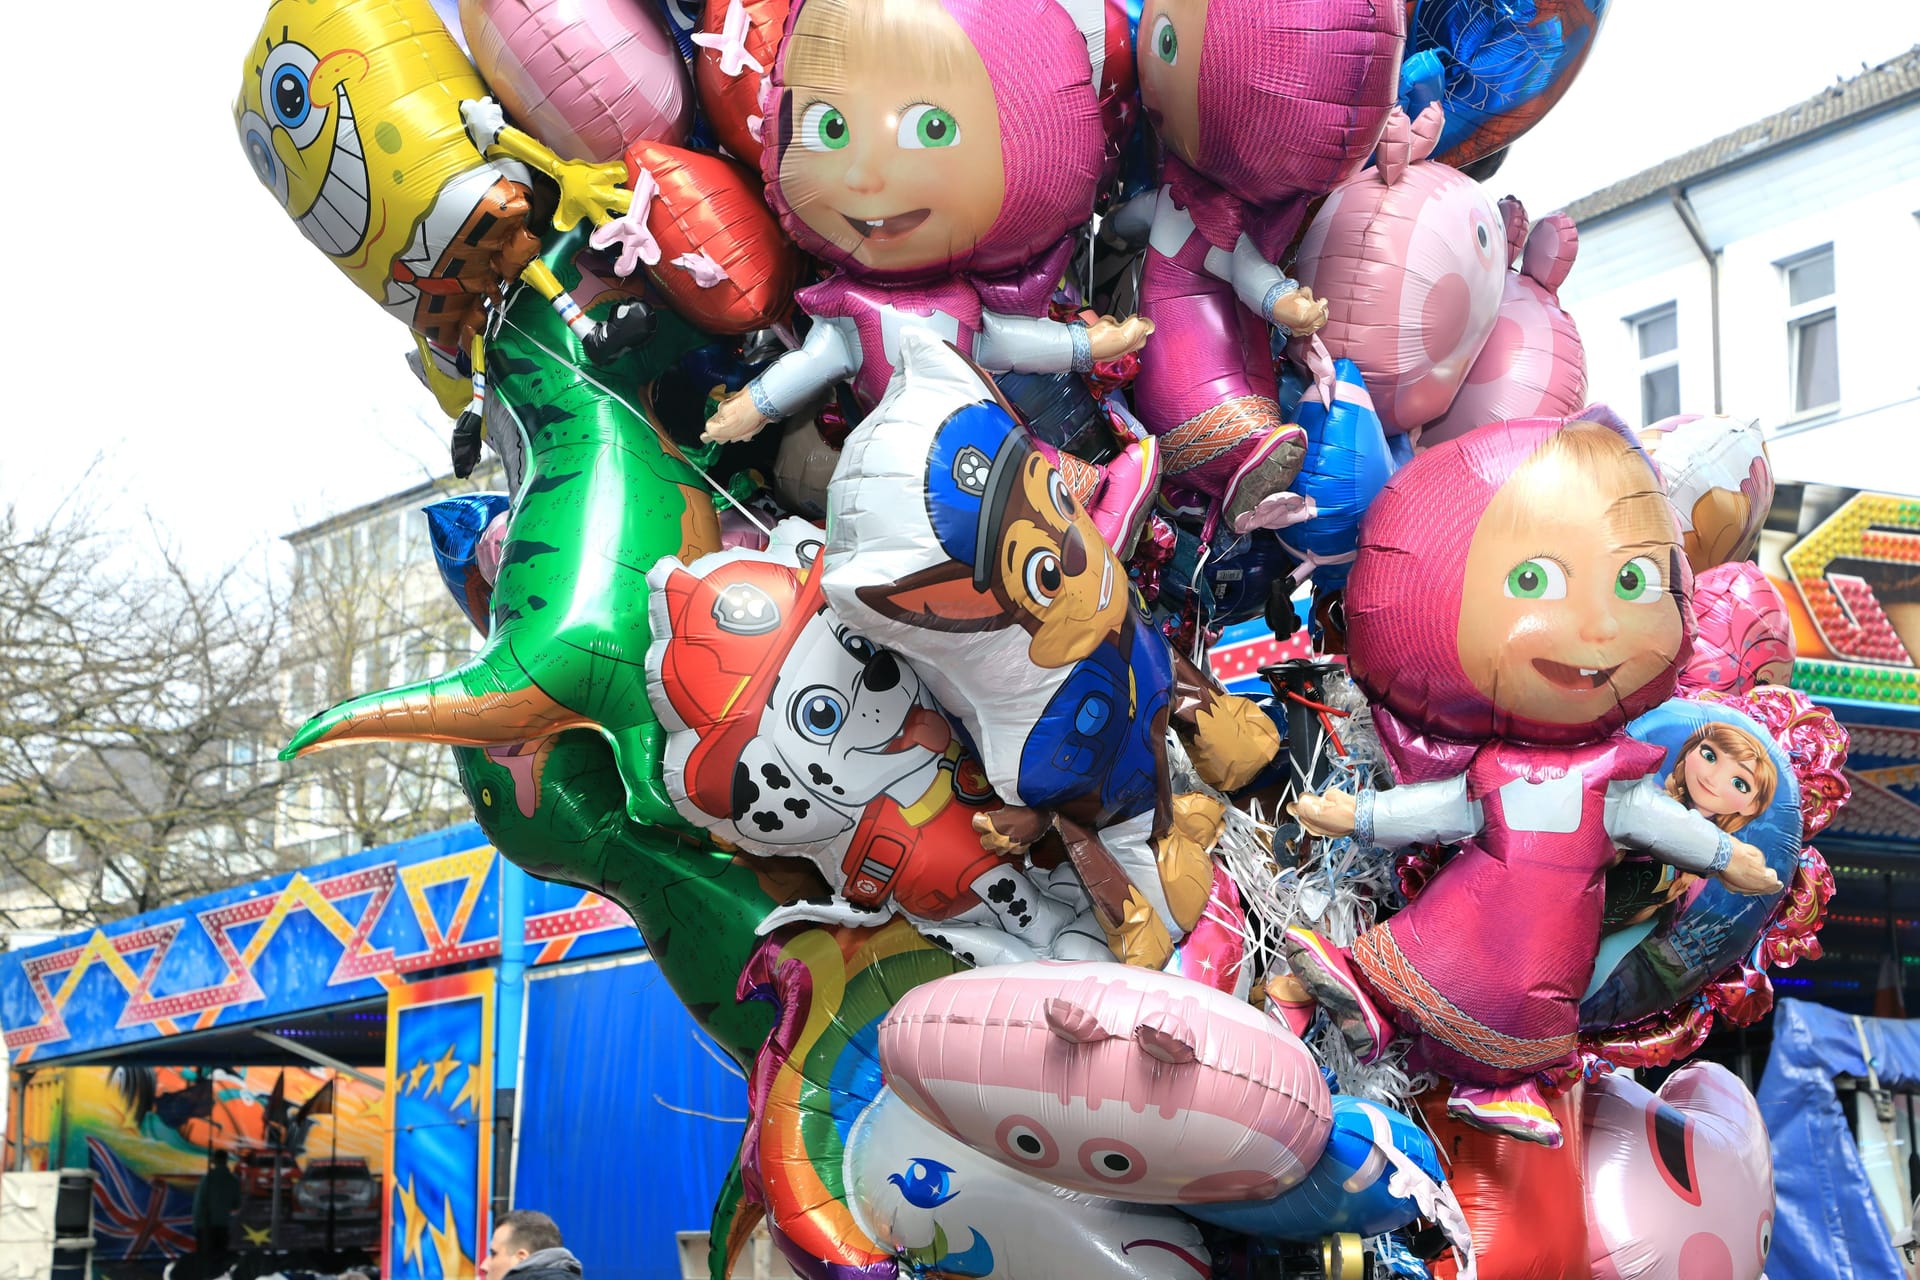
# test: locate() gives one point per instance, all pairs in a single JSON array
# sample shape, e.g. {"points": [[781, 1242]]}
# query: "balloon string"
{"points": [[664, 439]]}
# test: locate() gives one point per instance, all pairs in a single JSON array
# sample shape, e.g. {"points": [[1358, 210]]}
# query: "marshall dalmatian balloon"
{"points": [[791, 733]]}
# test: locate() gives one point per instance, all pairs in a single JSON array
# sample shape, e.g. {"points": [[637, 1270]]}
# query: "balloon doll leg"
{"points": [[1323, 970], [1510, 1110], [1240, 453]]}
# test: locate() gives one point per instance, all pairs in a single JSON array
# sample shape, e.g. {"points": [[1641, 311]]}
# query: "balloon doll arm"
{"points": [[1418, 813], [1641, 815], [591, 191], [830, 353], [1266, 290], [1028, 345]]}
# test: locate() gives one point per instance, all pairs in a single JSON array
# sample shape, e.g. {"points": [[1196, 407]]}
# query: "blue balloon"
{"points": [[1495, 66], [1346, 1190], [454, 526], [1652, 965], [1347, 464]]}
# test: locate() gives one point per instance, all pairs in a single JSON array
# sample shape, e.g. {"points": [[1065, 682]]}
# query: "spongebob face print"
{"points": [[349, 112]]}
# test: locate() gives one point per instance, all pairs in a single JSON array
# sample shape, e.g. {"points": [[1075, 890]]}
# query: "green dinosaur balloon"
{"points": [[605, 495], [554, 808]]}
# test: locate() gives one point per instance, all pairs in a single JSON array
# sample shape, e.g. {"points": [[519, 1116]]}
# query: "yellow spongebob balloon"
{"points": [[349, 111]]}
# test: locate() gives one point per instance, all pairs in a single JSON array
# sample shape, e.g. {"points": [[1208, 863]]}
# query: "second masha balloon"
{"points": [[1260, 105], [1519, 595], [937, 153]]}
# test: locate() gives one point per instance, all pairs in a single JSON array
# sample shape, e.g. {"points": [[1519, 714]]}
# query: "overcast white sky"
{"points": [[171, 322]]}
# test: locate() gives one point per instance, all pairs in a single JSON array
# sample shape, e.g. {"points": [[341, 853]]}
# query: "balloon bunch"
{"points": [[895, 398]]}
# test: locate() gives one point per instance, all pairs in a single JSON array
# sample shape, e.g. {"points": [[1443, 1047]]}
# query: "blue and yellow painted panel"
{"points": [[440, 1092]]}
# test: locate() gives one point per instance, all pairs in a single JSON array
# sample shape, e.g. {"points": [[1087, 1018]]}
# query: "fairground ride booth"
{"points": [[1841, 1087], [393, 1048]]}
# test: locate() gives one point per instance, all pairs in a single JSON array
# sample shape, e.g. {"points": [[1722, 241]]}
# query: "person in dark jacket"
{"points": [[215, 1201], [526, 1246]]}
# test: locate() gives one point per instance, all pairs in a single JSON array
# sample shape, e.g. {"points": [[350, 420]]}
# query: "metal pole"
{"points": [[334, 1155]]}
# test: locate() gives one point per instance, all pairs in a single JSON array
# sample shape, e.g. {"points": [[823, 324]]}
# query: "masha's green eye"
{"points": [[923, 126], [1165, 40], [823, 128]]}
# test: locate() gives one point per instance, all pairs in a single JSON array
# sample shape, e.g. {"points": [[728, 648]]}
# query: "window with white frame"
{"points": [[1656, 337], [1813, 331], [60, 848]]}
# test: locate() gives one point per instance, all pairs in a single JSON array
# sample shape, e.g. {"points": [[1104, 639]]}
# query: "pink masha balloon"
{"points": [[586, 77], [1533, 365], [1679, 1182], [1414, 255], [1262, 106], [1118, 1081], [1745, 636]]}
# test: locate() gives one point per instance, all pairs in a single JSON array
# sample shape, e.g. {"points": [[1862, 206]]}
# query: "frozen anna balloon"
{"points": [[936, 153], [1261, 105], [1519, 595]]}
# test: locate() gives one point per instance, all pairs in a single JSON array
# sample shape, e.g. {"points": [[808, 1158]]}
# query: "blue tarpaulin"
{"points": [[629, 1118], [1827, 1225]]}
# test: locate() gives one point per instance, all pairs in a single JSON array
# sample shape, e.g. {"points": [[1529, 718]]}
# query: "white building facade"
{"points": [[1772, 274]]}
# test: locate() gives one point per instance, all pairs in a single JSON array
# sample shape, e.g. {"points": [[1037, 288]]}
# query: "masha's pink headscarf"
{"points": [[1743, 626], [1293, 96], [1405, 595], [1052, 142]]}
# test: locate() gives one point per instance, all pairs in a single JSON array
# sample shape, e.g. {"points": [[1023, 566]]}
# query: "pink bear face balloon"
{"points": [[1679, 1183], [1110, 1079], [1414, 255], [1533, 365]]}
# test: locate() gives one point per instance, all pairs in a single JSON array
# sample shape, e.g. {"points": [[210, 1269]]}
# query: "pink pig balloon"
{"points": [[1111, 1079], [1533, 365], [586, 77], [1413, 256], [1680, 1182]]}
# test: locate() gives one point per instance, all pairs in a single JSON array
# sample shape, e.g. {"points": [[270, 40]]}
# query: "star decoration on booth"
{"points": [[454, 1261], [420, 1068], [442, 1068], [413, 1221], [257, 1235], [469, 1095]]}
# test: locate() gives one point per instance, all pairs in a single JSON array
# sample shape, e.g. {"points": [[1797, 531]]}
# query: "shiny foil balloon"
{"points": [[736, 45], [709, 243], [1363, 1182], [1721, 483], [1111, 1080], [455, 527], [556, 807], [1414, 255], [853, 1180], [1496, 66], [1524, 1203], [1533, 364], [1745, 633], [605, 496], [349, 112], [1679, 1182], [790, 733], [1669, 932], [587, 77], [1346, 464], [954, 542]]}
